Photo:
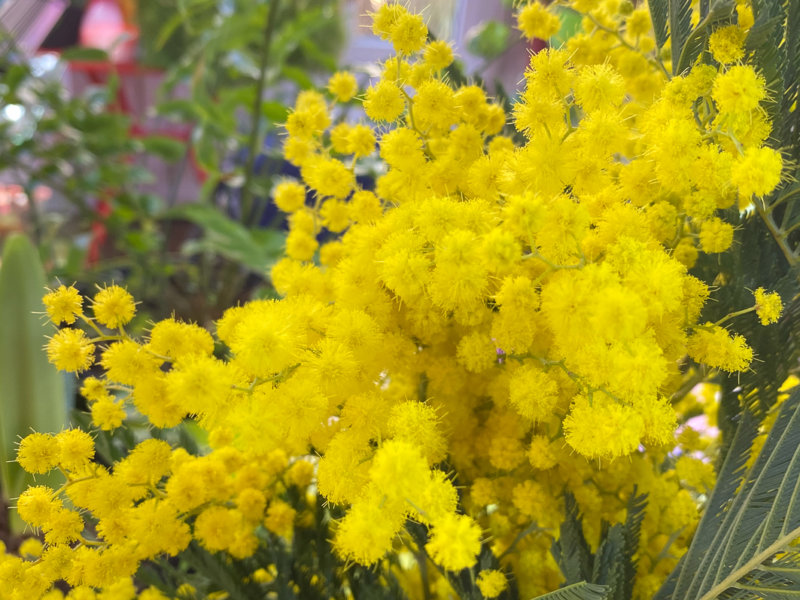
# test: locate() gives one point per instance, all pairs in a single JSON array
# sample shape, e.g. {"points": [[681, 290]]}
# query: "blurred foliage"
{"points": [[230, 64]]}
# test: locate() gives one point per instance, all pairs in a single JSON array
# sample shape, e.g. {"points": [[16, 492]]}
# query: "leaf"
{"points": [[697, 40], [744, 539], [571, 551], [167, 148], [680, 25], [659, 11], [32, 392], [274, 111], [614, 562], [228, 238], [297, 75], [489, 40], [577, 591], [79, 53]]}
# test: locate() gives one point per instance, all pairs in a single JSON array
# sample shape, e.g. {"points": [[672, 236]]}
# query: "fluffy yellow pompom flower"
{"points": [[107, 414], [343, 86], [716, 235], [113, 306], [535, 21], [408, 34], [366, 532], [63, 305], [739, 90], [757, 172], [75, 449], [533, 393], [385, 19], [290, 196], [727, 44], [492, 583], [768, 306], [70, 350], [715, 347], [175, 339], [280, 518], [603, 428], [438, 55], [38, 453], [384, 102], [36, 504], [599, 87], [455, 542]]}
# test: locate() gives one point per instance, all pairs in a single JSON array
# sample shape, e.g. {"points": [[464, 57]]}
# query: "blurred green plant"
{"points": [[32, 391]]}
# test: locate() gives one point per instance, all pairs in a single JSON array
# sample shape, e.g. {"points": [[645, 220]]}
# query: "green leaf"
{"points": [[571, 23], [697, 40], [680, 25], [79, 53], [274, 111], [297, 75], [571, 551], [167, 148], [256, 250], [577, 591], [490, 39], [745, 538], [32, 392], [659, 10]]}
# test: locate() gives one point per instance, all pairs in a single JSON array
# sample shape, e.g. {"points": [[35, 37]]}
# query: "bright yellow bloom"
{"points": [[38, 453], [343, 86], [455, 542], [113, 306], [768, 306], [70, 350], [492, 583], [727, 44], [63, 305]]}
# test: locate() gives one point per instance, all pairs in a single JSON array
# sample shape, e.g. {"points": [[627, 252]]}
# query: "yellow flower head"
{"points": [[113, 306], [70, 350], [38, 453], [75, 449], [455, 542], [438, 55], [492, 583], [63, 305], [739, 90], [768, 306], [343, 86], [727, 44], [535, 21], [384, 102], [408, 34], [715, 347]]}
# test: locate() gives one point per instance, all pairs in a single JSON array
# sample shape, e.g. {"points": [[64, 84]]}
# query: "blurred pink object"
{"points": [[104, 27]]}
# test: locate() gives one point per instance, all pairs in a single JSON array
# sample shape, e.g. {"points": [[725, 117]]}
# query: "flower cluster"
{"points": [[504, 318]]}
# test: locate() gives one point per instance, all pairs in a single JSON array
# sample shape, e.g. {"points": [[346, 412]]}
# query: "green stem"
{"points": [[777, 234], [732, 315], [255, 138]]}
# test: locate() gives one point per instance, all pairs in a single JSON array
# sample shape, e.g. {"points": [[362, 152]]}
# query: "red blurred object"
{"points": [[99, 232], [104, 27]]}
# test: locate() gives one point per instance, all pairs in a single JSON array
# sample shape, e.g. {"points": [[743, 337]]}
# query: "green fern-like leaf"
{"points": [[577, 591], [742, 545], [720, 11], [680, 26], [659, 13], [571, 551]]}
